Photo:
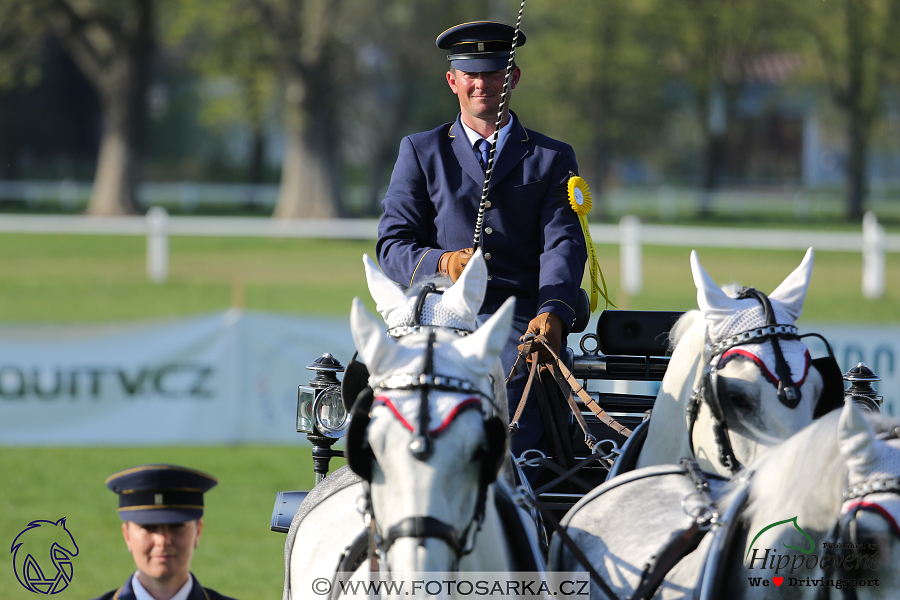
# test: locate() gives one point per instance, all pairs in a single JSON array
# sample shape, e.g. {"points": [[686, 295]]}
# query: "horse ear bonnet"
{"points": [[832, 395], [355, 380], [359, 454]]}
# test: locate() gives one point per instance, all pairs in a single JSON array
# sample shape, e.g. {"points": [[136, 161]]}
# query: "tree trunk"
{"points": [[309, 186], [716, 133], [115, 178], [307, 190], [114, 53]]}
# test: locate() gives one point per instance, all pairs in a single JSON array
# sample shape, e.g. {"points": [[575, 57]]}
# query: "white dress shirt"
{"points": [[501, 137], [140, 593]]}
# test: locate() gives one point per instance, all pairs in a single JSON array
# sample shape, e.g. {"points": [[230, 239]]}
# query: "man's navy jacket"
{"points": [[531, 237]]}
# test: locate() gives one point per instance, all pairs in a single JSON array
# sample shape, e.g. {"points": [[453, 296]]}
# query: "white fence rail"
{"points": [[630, 235]]}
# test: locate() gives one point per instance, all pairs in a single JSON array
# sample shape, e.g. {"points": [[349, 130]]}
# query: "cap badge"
{"points": [[481, 46], [157, 498]]}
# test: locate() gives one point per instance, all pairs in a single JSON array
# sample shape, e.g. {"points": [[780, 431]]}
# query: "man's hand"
{"points": [[453, 263], [551, 327]]}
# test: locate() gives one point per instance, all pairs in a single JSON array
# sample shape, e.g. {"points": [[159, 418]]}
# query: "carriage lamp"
{"points": [[320, 412], [861, 391]]}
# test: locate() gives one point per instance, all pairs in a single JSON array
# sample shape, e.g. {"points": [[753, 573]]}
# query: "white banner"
{"points": [[876, 345], [225, 378], [230, 377]]}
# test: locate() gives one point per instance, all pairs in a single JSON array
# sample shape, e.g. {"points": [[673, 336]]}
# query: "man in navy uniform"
{"points": [[531, 238], [161, 506]]}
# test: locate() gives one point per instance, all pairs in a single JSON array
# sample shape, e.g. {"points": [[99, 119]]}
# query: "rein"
{"points": [[567, 384]]}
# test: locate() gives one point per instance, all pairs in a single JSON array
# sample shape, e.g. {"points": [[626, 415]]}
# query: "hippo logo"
{"points": [[42, 556]]}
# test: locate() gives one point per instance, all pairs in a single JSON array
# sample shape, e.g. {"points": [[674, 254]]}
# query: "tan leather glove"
{"points": [[551, 327], [452, 264]]}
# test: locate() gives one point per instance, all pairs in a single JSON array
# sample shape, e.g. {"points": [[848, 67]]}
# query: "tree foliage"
{"points": [[858, 42], [349, 78]]}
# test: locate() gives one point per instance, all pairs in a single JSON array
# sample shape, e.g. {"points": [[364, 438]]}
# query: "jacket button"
{"points": [[487, 256], [487, 203], [488, 230]]}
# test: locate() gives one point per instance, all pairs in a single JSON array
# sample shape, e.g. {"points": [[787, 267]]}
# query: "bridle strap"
{"points": [[422, 445], [788, 392], [416, 317], [403, 330], [421, 528]]}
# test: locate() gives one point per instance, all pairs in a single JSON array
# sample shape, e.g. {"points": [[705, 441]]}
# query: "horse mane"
{"points": [[805, 475], [681, 326]]}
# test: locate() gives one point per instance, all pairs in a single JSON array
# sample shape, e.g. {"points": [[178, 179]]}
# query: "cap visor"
{"points": [[161, 516], [480, 65]]}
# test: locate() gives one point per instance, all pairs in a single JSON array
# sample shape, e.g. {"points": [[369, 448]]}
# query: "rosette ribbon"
{"points": [[580, 201]]}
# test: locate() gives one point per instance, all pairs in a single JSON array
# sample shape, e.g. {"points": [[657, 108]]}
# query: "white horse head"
{"points": [[833, 485], [810, 514], [746, 377], [429, 458]]}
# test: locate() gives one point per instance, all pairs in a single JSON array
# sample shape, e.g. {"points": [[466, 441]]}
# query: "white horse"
{"points": [[428, 456], [732, 386], [444, 490], [831, 489]]}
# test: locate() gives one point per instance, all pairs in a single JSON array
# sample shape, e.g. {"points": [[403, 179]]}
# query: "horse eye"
{"points": [[739, 400]]}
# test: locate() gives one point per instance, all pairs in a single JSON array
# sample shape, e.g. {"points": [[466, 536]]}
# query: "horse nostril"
{"points": [[420, 447]]}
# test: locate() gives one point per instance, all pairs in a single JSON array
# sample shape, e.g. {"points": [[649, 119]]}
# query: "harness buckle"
{"points": [[523, 460], [614, 451]]}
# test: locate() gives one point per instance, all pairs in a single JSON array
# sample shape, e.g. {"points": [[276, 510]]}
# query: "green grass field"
{"points": [[237, 556], [65, 279], [50, 279]]}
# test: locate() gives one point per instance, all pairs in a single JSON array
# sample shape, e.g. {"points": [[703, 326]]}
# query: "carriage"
{"points": [[627, 345]]}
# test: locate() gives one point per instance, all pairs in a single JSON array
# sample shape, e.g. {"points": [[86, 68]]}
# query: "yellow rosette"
{"points": [[580, 201]]}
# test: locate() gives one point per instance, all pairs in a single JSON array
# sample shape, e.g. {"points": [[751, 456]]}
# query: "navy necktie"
{"points": [[483, 148]]}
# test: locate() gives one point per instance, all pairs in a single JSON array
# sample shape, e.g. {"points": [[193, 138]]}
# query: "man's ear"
{"points": [[514, 78], [125, 534], [451, 80], [199, 529]]}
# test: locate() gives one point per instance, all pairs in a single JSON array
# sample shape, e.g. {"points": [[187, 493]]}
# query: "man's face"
{"points": [[479, 93], [163, 552]]}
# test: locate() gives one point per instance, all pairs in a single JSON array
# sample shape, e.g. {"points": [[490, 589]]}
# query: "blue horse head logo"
{"points": [[36, 548]]}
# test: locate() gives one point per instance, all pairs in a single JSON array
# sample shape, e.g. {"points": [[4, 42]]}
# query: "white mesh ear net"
{"points": [[751, 315], [433, 313], [887, 463], [886, 467]]}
